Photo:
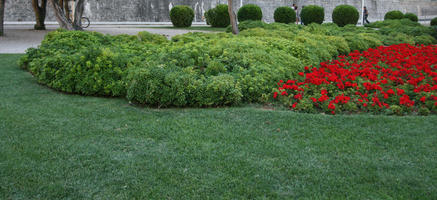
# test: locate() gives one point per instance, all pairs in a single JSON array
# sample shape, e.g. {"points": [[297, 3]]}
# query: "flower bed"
{"points": [[395, 79]]}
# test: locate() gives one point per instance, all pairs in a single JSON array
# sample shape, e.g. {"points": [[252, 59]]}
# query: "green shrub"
{"points": [[425, 40], [312, 14], [345, 14], [152, 38], [411, 16], [248, 24], [434, 22], [250, 12], [181, 16], [394, 14], [218, 16], [285, 15]]}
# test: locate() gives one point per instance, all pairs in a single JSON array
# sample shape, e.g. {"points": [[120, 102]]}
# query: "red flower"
{"points": [[275, 95]]}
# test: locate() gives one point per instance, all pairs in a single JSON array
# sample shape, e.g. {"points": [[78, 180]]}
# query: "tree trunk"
{"points": [[78, 11], [61, 15], [2, 15], [233, 18], [40, 13]]}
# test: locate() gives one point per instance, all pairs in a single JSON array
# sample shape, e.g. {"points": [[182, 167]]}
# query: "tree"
{"points": [[39, 7], [2, 15], [233, 18], [62, 14]]}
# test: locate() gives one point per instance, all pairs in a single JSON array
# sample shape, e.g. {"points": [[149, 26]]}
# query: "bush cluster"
{"points": [[285, 15], [312, 14], [249, 12], [181, 16], [345, 14], [394, 14], [218, 16]]}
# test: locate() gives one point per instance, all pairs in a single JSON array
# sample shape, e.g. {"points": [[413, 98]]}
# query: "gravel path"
{"points": [[18, 38]]}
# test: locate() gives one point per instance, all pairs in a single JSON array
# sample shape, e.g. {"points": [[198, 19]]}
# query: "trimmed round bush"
{"points": [[411, 16], [250, 12], [345, 14], [434, 21], [285, 15], [218, 16], [182, 16], [394, 14], [312, 14]]}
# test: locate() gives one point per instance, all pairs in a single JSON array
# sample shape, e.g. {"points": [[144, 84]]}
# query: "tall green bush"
{"points": [[345, 14], [411, 16], [250, 12], [285, 15], [181, 16], [218, 16], [394, 14], [312, 14]]}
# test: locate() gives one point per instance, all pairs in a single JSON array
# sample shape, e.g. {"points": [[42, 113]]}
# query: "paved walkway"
{"points": [[18, 38]]}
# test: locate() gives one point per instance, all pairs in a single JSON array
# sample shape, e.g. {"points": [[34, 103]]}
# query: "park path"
{"points": [[18, 38]]}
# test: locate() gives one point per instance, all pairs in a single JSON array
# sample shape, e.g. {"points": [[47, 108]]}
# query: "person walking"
{"points": [[365, 15], [300, 16], [297, 14]]}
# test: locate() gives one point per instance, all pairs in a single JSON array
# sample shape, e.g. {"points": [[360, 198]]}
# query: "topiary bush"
{"points": [[345, 14], [218, 16], [250, 12], [312, 14], [411, 16], [285, 15], [181, 16], [434, 22], [394, 14]]}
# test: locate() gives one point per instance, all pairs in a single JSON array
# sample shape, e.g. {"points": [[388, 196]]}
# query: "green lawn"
{"points": [[60, 146]]}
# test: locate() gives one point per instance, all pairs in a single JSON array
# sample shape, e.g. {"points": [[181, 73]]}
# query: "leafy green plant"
{"points": [[250, 12], [312, 14], [345, 14], [181, 16], [394, 14], [285, 15]]}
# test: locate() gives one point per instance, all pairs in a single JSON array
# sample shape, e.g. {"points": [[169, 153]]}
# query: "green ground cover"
{"points": [[197, 28], [61, 146]]}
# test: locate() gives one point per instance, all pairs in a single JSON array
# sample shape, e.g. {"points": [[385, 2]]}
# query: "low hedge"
{"points": [[181, 16], [218, 16], [249, 12], [345, 14], [312, 14], [394, 14], [285, 15]]}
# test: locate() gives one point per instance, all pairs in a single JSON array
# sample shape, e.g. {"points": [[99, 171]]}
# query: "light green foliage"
{"points": [[152, 38]]}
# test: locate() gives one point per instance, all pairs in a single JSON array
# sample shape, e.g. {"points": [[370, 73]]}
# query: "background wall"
{"points": [[158, 10]]}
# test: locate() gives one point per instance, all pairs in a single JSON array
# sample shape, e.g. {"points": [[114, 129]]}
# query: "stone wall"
{"points": [[158, 10]]}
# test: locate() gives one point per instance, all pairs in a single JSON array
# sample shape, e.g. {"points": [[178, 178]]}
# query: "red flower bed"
{"points": [[396, 79]]}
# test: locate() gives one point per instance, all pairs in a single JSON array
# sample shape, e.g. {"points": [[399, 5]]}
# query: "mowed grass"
{"points": [[60, 146]]}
